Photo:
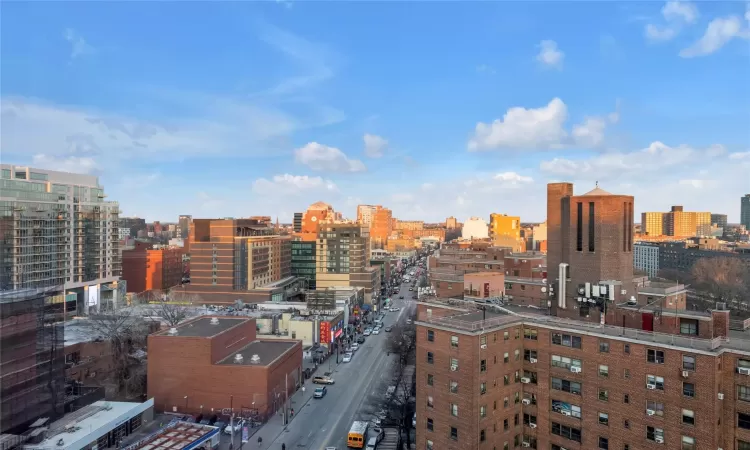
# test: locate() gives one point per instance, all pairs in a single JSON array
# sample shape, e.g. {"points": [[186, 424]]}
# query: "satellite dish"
{"points": [[544, 289]]}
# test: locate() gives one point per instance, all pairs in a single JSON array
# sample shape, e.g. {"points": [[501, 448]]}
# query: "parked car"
{"points": [[367, 332], [401, 297], [360, 340], [376, 331], [355, 346], [323, 380], [237, 427], [411, 288], [320, 392], [347, 357]]}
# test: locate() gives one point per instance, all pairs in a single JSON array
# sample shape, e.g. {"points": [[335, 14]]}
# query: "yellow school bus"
{"points": [[357, 434]]}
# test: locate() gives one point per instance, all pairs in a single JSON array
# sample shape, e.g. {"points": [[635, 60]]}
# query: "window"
{"points": [[743, 421], [566, 340], [689, 326], [603, 443], [506, 402], [626, 424], [742, 445], [528, 355], [603, 347], [506, 336], [657, 408], [655, 356], [516, 377], [654, 434], [657, 382], [430, 335], [494, 404], [454, 341], [483, 411], [483, 388], [517, 332], [564, 362], [688, 443], [604, 371], [515, 420], [626, 349], [482, 436], [688, 362], [506, 425], [530, 334], [506, 380], [566, 409], [517, 398], [592, 226], [430, 379], [688, 389], [626, 398], [688, 417], [454, 410], [430, 358], [603, 395], [604, 419], [579, 226], [505, 357], [430, 425], [454, 364], [574, 434], [483, 340], [430, 401], [626, 373], [453, 386], [566, 386], [429, 445], [517, 355], [743, 393], [454, 433]]}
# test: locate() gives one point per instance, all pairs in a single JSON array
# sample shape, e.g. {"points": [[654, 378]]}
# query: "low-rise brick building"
{"points": [[212, 363], [513, 377]]}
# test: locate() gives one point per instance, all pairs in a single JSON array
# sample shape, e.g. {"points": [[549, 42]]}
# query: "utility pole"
{"points": [[286, 399], [231, 420]]}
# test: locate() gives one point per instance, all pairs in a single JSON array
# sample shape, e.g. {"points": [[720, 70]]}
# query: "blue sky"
{"points": [[433, 109]]}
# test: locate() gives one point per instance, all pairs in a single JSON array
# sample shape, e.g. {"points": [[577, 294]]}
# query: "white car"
{"points": [[376, 331], [347, 357], [367, 332], [355, 346]]}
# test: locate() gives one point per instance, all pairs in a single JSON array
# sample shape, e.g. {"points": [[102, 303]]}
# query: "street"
{"points": [[356, 395]]}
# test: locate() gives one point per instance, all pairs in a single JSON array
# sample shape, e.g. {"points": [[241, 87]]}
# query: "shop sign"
{"points": [[325, 332]]}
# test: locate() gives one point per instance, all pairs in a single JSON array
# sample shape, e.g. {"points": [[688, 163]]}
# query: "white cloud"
{"points": [[512, 179], [402, 198], [549, 55], [740, 155], [324, 158], [287, 184], [718, 33], [374, 145], [76, 164], [539, 129], [677, 15], [79, 46]]}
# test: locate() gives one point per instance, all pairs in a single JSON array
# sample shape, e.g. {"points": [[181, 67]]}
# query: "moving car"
{"points": [[360, 340], [387, 329], [401, 297], [323, 380], [237, 427], [347, 357], [320, 392], [411, 288]]}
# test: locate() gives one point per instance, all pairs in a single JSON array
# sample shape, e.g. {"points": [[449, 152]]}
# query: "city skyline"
{"points": [[451, 124]]}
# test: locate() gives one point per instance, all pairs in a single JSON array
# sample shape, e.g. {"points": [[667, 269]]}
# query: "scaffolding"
{"points": [[32, 362]]}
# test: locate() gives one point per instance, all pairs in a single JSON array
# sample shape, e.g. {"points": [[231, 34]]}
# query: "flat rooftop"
{"points": [[203, 327], [176, 435], [267, 351]]}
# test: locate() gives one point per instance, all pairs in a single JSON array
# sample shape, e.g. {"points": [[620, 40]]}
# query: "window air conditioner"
{"points": [[483, 346], [526, 401], [532, 425], [685, 374], [526, 444], [650, 412], [659, 440], [575, 369], [525, 380], [743, 370], [721, 396], [454, 368], [565, 413], [650, 386], [532, 360]]}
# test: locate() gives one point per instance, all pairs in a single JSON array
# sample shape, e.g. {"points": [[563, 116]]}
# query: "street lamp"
{"points": [[186, 403]]}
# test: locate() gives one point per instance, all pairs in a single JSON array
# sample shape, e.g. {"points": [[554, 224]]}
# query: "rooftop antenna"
{"points": [[597, 183]]}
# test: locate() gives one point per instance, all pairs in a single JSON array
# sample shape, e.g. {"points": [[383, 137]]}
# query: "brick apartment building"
{"points": [[515, 377], [211, 363], [145, 268], [231, 258]]}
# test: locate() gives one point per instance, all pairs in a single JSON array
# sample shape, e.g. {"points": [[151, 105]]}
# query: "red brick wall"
{"points": [[527, 294]]}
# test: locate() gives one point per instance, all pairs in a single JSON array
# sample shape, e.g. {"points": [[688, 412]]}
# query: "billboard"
{"points": [[93, 295], [325, 332]]}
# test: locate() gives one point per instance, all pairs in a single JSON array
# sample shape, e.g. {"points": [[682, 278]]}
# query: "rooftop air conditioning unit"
{"points": [[214, 321], [172, 331], [525, 380], [575, 369], [532, 425], [721, 396], [632, 301], [743, 370], [238, 358], [650, 412], [483, 346], [685, 374], [532, 360], [526, 401], [255, 359], [650, 386], [659, 440]]}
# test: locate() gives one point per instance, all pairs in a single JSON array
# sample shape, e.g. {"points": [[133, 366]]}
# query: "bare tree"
{"points": [[676, 275], [400, 404], [402, 341], [126, 333], [172, 308], [724, 277]]}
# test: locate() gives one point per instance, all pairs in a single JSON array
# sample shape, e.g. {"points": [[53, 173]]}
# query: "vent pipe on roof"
{"points": [[238, 358], [173, 331], [255, 359], [214, 321]]}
